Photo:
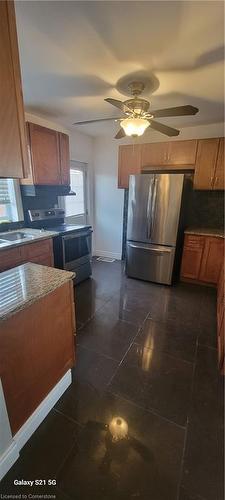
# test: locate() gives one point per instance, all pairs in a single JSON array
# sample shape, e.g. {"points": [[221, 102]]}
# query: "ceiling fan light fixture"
{"points": [[134, 126]]}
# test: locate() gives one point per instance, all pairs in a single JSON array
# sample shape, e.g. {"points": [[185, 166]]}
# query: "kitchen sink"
{"points": [[19, 235]]}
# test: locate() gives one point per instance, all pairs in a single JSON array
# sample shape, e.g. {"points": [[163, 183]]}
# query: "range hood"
{"points": [[40, 190]]}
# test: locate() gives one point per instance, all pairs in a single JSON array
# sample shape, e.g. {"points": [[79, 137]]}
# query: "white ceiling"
{"points": [[74, 54]]}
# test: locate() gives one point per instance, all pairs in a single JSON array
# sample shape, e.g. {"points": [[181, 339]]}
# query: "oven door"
{"points": [[76, 249]]}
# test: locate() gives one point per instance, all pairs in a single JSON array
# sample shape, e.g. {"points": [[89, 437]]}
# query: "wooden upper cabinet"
{"points": [[174, 154], [206, 163], [219, 171], [212, 260], [45, 158], [13, 150], [129, 163], [204, 156], [49, 156], [154, 154], [182, 153], [64, 158]]}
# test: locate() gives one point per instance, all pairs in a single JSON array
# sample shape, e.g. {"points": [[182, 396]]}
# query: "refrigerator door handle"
{"points": [[151, 249], [154, 196], [149, 207]]}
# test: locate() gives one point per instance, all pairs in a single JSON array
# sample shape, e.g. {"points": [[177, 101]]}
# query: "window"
{"points": [[10, 201], [75, 205]]}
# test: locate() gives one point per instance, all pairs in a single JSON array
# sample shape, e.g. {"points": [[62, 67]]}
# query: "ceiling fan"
{"points": [[138, 117]]}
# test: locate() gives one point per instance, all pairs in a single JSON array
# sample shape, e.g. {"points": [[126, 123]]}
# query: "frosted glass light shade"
{"points": [[134, 126]]}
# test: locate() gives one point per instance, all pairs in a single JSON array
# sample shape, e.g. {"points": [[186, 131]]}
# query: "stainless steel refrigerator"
{"points": [[153, 217]]}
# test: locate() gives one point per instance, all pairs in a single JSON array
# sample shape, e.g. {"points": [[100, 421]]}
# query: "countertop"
{"points": [[218, 233], [32, 235], [23, 285]]}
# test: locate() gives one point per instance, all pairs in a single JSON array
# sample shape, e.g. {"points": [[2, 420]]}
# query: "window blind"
{"points": [[4, 192]]}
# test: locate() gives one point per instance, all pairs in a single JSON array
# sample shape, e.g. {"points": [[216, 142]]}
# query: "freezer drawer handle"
{"points": [[152, 249]]}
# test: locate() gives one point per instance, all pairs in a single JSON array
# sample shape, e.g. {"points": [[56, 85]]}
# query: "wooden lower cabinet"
{"points": [[192, 257], [212, 260], [202, 259], [36, 350], [39, 252]]}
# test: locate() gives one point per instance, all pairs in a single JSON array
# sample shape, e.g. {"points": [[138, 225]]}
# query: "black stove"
{"points": [[72, 245]]}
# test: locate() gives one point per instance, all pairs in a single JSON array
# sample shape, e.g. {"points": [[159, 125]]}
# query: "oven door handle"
{"points": [[76, 235]]}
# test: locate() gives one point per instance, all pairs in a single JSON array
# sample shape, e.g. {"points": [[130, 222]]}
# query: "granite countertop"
{"points": [[219, 233], [23, 285], [32, 235]]}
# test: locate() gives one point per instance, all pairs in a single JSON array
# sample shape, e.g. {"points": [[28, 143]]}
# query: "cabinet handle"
{"points": [[211, 181]]}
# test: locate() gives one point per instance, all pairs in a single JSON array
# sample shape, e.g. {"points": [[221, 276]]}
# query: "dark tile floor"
{"points": [[145, 353]]}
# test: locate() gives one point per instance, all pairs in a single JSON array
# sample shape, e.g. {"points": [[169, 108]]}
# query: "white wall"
{"points": [[108, 199], [81, 149]]}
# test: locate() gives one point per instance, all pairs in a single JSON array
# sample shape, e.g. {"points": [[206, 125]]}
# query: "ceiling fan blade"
{"points": [[120, 134], [178, 111], [119, 104], [163, 128], [100, 120]]}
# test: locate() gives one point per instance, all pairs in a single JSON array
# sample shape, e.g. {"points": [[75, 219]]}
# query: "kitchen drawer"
{"points": [[192, 241], [32, 250], [44, 260], [10, 258]]}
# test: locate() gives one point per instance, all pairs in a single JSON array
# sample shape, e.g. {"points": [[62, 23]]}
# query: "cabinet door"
{"points": [[192, 257], [13, 152], [206, 163], [212, 260], [154, 154], [64, 158], [129, 163], [34, 251], [10, 258], [44, 144], [182, 153], [219, 173]]}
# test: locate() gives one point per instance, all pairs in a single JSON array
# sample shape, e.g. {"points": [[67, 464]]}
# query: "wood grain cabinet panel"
{"points": [[129, 163], [202, 258], [40, 252], [192, 257], [45, 156], [219, 172], [154, 154], [64, 158], [212, 260], [10, 258], [206, 163], [13, 150], [36, 350], [181, 153], [49, 156]]}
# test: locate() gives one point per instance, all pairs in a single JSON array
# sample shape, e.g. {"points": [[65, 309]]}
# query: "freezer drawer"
{"points": [[150, 262]]}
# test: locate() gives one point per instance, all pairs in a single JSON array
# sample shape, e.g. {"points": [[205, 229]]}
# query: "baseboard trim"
{"points": [[25, 432], [112, 255]]}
